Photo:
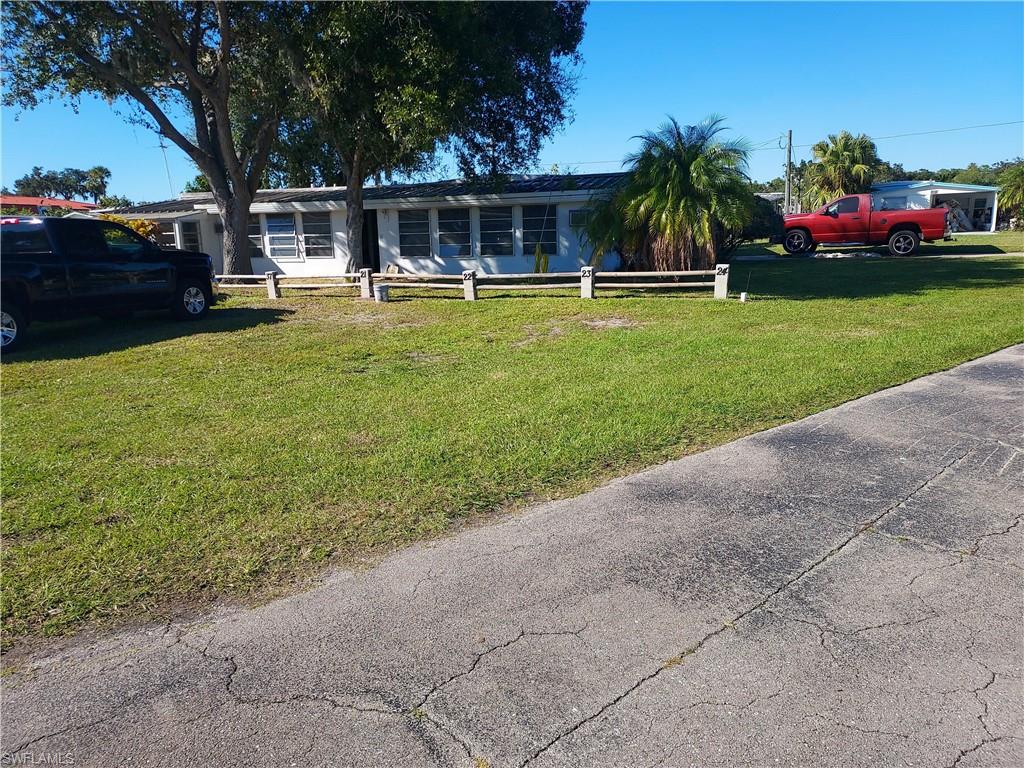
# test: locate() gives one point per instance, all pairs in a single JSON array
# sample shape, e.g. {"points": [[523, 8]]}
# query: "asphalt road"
{"points": [[845, 590]]}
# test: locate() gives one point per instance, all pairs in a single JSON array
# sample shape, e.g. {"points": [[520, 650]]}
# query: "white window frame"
{"points": [[469, 234], [301, 225], [511, 231], [296, 237], [431, 223], [182, 244]]}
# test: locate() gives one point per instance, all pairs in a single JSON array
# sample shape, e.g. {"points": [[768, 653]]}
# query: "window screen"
{"points": [[165, 235], [495, 231], [281, 237], [255, 239], [453, 231], [414, 234], [316, 235], [539, 227], [578, 218], [190, 239]]}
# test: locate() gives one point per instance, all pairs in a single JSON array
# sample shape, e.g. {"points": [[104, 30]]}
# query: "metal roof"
{"points": [[890, 185], [515, 185]]}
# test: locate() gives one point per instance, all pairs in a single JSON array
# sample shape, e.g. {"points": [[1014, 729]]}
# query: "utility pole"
{"points": [[789, 173]]}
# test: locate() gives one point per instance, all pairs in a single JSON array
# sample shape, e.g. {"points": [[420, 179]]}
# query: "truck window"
{"points": [[82, 240], [845, 205], [120, 241], [23, 238]]}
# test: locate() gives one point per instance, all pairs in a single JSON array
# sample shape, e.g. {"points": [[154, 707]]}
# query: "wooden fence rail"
{"points": [[472, 282]]}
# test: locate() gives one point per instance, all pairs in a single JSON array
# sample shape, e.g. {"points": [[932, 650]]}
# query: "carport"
{"points": [[973, 208]]}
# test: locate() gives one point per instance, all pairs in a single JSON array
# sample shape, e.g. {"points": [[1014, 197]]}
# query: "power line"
{"points": [[759, 146]]}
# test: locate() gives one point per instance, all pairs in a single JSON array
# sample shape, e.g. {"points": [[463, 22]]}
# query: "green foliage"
{"points": [[190, 469], [198, 184], [216, 65], [115, 201], [684, 194], [844, 164], [382, 88], [67, 184], [1011, 191], [540, 260]]}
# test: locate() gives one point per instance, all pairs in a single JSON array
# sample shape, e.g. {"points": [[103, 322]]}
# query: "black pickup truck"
{"points": [[52, 268]]}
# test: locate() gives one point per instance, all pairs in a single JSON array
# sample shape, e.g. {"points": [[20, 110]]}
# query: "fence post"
{"points": [[469, 284], [587, 283], [722, 281], [366, 283], [273, 289]]}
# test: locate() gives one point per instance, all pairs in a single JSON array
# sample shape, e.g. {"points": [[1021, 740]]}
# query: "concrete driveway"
{"points": [[845, 590]]}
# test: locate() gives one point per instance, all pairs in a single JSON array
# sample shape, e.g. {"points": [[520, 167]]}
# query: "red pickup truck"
{"points": [[852, 219]]}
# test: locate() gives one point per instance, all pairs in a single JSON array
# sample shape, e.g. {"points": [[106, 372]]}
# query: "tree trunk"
{"points": [[234, 214], [354, 219]]}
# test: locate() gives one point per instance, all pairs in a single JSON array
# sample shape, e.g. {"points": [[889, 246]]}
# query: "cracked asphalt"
{"points": [[844, 590]]}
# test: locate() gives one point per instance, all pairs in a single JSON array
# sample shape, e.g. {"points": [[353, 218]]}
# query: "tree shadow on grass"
{"points": [[870, 278], [73, 339]]}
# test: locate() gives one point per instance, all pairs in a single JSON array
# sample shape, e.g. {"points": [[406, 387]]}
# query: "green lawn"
{"points": [[998, 242], [152, 466]]}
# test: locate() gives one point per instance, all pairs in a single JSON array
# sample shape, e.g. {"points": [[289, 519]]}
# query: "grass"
{"points": [[151, 466], [995, 243]]}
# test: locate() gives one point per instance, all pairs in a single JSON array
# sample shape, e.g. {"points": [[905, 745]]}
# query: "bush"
{"points": [[144, 227]]}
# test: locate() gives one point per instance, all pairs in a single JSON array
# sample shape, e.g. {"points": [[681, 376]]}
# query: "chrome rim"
{"points": [[903, 244], [195, 300], [8, 329], [795, 240]]}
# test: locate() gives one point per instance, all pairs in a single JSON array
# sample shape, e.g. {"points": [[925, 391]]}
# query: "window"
{"points": [[165, 235], [316, 235], [23, 238], [453, 232], [120, 241], [414, 234], [894, 203], [281, 237], [190, 239], [255, 239], [578, 218], [83, 240], [846, 205], [539, 228], [495, 231]]}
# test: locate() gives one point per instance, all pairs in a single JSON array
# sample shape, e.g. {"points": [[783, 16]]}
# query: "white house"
{"points": [[435, 228], [972, 207]]}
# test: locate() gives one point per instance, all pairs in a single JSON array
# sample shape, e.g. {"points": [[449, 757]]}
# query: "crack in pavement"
{"points": [[868, 525]]}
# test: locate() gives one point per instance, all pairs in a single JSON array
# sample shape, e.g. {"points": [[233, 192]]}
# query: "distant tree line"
{"points": [[68, 184]]}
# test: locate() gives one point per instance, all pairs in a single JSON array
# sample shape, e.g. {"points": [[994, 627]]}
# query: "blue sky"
{"points": [[879, 68]]}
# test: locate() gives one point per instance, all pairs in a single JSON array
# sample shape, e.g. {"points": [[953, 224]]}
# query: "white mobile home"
{"points": [[435, 228], [972, 207]]}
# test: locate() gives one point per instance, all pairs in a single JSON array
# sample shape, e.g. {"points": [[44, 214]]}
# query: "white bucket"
{"points": [[380, 293], [743, 296]]}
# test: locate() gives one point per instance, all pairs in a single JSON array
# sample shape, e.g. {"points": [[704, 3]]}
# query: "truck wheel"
{"points": [[191, 300], [797, 241], [904, 242], [12, 327]]}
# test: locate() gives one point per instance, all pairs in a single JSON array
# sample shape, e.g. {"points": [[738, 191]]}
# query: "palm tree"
{"points": [[1011, 189], [844, 165], [684, 191]]}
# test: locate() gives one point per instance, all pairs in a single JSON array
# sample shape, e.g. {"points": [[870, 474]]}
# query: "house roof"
{"points": [[45, 202], [888, 186], [516, 185]]}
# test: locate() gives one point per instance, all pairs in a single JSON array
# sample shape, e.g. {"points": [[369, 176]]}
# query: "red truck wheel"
{"points": [[904, 242], [797, 241]]}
